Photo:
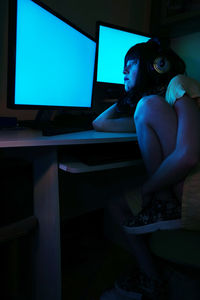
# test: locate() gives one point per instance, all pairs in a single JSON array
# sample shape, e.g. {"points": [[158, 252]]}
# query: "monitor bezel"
{"points": [[11, 60], [109, 85]]}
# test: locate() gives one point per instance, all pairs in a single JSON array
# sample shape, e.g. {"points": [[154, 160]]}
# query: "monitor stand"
{"points": [[43, 119], [45, 115]]}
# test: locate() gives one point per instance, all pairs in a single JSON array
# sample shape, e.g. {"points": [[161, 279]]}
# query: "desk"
{"points": [[42, 151]]}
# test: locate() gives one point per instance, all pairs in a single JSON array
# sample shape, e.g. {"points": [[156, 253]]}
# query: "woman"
{"points": [[161, 105]]}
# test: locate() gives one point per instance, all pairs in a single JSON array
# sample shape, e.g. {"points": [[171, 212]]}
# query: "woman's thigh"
{"points": [[154, 112]]}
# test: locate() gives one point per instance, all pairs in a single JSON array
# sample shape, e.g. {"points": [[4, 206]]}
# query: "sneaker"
{"points": [[113, 294], [135, 287], [159, 216]]}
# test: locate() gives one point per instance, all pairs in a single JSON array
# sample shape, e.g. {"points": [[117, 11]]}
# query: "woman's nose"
{"points": [[125, 71]]}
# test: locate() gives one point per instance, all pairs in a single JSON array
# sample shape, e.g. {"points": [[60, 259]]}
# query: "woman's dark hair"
{"points": [[150, 79]]}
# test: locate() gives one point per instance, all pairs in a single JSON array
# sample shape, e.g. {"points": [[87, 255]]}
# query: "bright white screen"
{"points": [[112, 48], [54, 61]]}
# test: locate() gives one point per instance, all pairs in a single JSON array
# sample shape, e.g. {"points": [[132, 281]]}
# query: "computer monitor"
{"points": [[50, 60], [113, 42]]}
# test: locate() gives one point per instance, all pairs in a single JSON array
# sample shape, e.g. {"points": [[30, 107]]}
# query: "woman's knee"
{"points": [[154, 110], [148, 106], [155, 114]]}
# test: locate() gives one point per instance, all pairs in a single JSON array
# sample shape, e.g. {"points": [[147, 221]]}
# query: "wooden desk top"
{"points": [[10, 138]]}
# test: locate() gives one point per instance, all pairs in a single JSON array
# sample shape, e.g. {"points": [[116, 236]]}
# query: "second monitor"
{"points": [[113, 42]]}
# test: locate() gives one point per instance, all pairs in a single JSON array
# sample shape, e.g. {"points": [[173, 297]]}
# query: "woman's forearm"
{"points": [[106, 115], [109, 120], [172, 170]]}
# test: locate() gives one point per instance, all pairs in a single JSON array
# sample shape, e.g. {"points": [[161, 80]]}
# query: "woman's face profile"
{"points": [[130, 74]]}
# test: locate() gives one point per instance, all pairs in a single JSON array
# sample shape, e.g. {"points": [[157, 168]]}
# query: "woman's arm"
{"points": [[187, 151], [109, 120]]}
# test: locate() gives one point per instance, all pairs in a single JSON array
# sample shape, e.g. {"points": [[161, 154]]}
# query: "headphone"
{"points": [[165, 63], [166, 60], [161, 64]]}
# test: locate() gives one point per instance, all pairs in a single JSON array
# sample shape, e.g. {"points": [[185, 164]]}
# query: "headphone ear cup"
{"points": [[161, 65]]}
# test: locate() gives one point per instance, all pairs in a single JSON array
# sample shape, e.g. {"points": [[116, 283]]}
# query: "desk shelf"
{"points": [[73, 165]]}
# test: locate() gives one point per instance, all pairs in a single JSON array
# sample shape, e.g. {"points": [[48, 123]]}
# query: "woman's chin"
{"points": [[127, 89]]}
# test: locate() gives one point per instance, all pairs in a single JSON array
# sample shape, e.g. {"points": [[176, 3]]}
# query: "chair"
{"points": [[179, 251]]}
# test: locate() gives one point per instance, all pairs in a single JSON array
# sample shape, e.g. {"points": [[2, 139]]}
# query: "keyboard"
{"points": [[50, 131], [50, 128]]}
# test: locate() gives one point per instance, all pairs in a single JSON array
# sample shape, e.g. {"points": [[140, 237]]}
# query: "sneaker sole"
{"points": [[115, 294], [162, 225], [131, 294]]}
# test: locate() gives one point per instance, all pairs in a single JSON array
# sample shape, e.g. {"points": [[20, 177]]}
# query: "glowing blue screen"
{"points": [[54, 61], [112, 48]]}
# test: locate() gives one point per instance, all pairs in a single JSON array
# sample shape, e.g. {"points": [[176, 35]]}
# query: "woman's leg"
{"points": [[137, 245], [156, 126]]}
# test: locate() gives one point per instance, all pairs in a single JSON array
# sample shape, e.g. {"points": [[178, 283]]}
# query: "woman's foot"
{"points": [[136, 286], [157, 216]]}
